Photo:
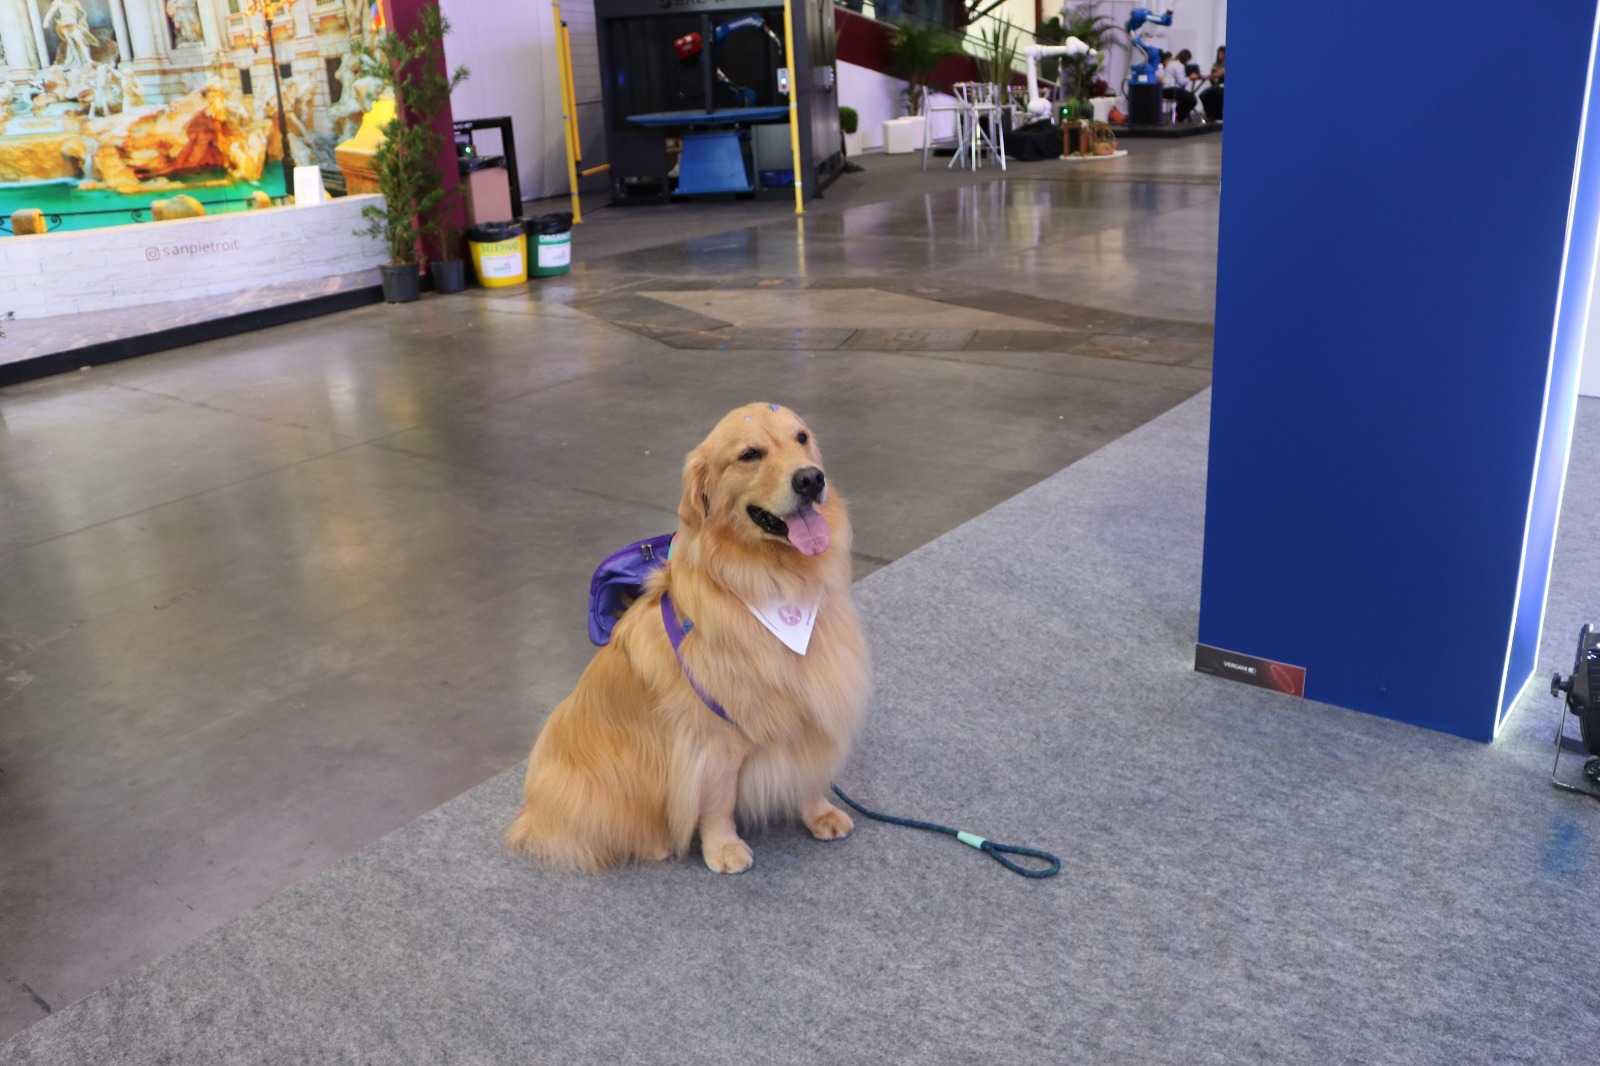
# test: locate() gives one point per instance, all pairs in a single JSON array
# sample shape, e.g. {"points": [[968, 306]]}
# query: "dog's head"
{"points": [[759, 478]]}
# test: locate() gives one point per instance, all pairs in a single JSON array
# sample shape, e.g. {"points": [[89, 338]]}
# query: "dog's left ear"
{"points": [[695, 507]]}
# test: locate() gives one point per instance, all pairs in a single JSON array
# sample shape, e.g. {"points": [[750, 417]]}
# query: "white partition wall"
{"points": [[511, 50]]}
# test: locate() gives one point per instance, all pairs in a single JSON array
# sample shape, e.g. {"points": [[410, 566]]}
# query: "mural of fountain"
{"points": [[108, 104]]}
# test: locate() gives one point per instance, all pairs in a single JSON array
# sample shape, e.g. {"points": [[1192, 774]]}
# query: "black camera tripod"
{"points": [[1582, 692]]}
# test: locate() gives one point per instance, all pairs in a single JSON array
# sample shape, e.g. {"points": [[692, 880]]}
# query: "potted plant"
{"points": [[917, 51], [415, 202], [996, 57], [1095, 29], [849, 123], [996, 60], [449, 273]]}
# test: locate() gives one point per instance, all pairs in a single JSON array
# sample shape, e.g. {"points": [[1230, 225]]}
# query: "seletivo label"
{"points": [[501, 266]]}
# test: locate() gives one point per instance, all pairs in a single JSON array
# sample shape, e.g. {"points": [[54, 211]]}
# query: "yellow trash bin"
{"points": [[499, 253]]}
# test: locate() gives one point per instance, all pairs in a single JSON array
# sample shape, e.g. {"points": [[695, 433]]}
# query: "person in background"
{"points": [[1211, 95], [1174, 83], [1179, 64]]}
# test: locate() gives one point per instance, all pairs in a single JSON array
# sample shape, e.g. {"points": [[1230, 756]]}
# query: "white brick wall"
{"points": [[127, 266]]}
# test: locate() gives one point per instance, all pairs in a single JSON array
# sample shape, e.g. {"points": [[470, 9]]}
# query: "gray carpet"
{"points": [[1246, 878]]}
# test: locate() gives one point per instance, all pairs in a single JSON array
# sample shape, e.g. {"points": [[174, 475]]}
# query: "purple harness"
{"points": [[676, 633]]}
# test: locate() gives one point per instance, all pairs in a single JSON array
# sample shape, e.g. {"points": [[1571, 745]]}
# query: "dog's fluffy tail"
{"points": [[595, 794], [577, 822], [532, 834]]}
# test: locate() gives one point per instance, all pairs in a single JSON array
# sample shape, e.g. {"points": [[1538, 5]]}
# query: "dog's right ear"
{"points": [[695, 507]]}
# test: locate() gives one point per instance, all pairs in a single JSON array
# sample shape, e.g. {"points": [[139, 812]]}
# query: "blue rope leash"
{"points": [[997, 852]]}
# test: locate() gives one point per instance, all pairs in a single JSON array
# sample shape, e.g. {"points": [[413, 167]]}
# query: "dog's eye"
{"points": [[750, 455], [803, 437]]}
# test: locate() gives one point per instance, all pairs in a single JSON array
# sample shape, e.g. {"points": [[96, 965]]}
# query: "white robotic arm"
{"points": [[1038, 106]]}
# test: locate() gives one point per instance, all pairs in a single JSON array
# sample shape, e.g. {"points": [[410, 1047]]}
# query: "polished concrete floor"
{"points": [[265, 599]]}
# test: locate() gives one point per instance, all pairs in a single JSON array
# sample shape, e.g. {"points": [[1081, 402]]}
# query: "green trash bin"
{"points": [[549, 245]]}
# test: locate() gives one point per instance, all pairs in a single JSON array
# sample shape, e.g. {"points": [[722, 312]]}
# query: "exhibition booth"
{"points": [[697, 99]]}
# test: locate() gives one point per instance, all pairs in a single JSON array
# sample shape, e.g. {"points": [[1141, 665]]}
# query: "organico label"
{"points": [[555, 250]]}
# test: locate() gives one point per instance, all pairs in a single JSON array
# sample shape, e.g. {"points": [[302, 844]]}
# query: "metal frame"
{"points": [[974, 101], [469, 126], [1561, 730]]}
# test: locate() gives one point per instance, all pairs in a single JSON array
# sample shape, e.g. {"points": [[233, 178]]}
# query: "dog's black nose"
{"points": [[808, 483]]}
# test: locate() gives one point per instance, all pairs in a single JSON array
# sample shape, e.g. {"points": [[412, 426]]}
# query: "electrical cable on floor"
{"points": [[997, 852]]}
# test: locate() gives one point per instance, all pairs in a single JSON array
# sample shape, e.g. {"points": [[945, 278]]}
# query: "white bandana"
{"points": [[790, 623]]}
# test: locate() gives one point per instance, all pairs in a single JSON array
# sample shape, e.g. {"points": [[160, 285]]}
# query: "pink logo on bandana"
{"points": [[789, 614]]}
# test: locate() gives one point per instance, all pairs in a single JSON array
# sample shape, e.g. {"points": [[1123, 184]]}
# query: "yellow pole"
{"points": [[793, 59], [568, 108], [572, 90]]}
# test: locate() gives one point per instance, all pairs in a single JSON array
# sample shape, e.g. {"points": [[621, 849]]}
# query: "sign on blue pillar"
{"points": [[1405, 256]]}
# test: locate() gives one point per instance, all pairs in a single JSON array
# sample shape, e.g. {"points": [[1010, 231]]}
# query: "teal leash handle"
{"points": [[997, 852]]}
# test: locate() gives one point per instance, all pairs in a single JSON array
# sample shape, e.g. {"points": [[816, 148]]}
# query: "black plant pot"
{"points": [[401, 283], [449, 275]]}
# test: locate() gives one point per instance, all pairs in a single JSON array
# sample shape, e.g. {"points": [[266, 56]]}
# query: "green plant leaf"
{"points": [[416, 203], [917, 51]]}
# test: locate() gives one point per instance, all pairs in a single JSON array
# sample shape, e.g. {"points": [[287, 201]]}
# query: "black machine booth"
{"points": [[696, 101]]}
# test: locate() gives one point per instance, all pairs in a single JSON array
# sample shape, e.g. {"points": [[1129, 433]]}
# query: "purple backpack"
{"points": [[618, 581]]}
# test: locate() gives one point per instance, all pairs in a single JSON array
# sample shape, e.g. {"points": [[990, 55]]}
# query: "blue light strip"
{"points": [[1560, 391]]}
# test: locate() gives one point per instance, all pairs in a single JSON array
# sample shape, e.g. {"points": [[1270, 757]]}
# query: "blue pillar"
{"points": [[1406, 250]]}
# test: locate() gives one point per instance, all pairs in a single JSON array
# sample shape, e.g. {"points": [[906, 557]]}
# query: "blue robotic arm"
{"points": [[1141, 15], [752, 21], [1145, 72], [690, 46]]}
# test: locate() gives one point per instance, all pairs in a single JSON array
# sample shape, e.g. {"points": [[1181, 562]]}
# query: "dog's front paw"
{"points": [[829, 824], [728, 857]]}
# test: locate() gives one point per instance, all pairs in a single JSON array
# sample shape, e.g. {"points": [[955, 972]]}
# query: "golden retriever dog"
{"points": [[634, 762]]}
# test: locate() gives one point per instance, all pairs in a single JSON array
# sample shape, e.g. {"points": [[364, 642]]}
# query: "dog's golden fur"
{"points": [[632, 764]]}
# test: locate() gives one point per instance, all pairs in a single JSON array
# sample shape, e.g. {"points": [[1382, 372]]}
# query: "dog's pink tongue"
{"points": [[808, 530]]}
